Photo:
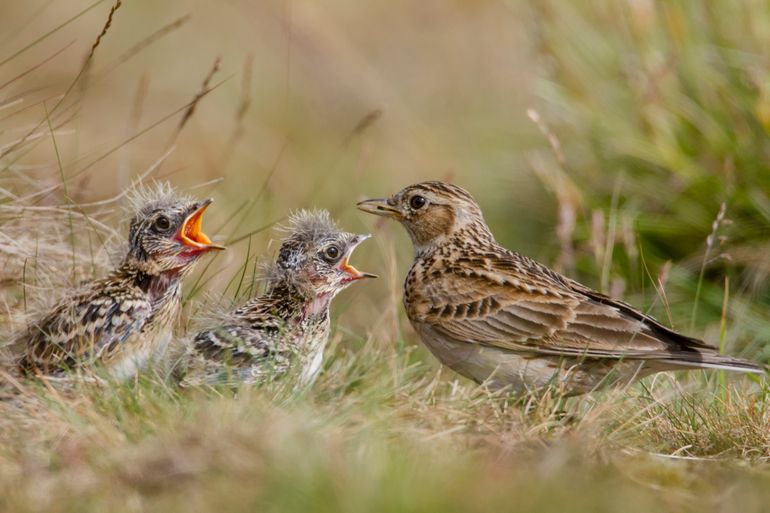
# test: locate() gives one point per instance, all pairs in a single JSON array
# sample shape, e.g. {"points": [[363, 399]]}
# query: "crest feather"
{"points": [[150, 196], [307, 224]]}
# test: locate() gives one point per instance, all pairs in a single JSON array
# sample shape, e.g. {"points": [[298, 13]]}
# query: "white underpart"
{"points": [[499, 368], [160, 346], [132, 362], [313, 368]]}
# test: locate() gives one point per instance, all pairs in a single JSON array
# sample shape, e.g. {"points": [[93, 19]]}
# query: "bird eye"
{"points": [[163, 223], [331, 254], [417, 202]]}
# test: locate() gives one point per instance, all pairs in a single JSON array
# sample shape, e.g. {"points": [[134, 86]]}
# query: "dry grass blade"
{"points": [[49, 33], [107, 25], [83, 69], [240, 114], [140, 133], [145, 43], [36, 66], [204, 90]]}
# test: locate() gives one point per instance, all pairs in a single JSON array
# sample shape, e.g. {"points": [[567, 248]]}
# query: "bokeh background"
{"points": [[600, 138]]}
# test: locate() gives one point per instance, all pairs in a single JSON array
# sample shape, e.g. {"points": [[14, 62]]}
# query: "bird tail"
{"points": [[708, 360]]}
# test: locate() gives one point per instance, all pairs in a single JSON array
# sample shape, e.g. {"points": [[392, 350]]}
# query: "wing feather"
{"points": [[85, 327], [507, 301], [251, 347]]}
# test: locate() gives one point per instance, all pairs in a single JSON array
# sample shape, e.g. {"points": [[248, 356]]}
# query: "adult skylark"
{"points": [[502, 319]]}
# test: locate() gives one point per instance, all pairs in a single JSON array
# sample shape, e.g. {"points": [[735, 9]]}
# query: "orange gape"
{"points": [[191, 233]]}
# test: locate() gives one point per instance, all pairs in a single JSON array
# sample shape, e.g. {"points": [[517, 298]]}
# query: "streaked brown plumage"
{"points": [[121, 321], [286, 329], [500, 318]]}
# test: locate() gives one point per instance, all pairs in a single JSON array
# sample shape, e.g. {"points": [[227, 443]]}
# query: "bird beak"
{"points": [[190, 234], [344, 265], [379, 207]]}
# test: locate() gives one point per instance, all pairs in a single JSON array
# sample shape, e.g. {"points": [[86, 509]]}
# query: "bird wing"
{"points": [[505, 300], [237, 344], [253, 344], [87, 326], [236, 353]]}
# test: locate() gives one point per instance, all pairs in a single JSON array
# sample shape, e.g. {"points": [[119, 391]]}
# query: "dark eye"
{"points": [[417, 202], [163, 223], [331, 254]]}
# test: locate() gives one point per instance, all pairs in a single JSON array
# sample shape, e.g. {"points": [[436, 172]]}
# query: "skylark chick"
{"points": [[286, 328], [500, 318], [121, 321]]}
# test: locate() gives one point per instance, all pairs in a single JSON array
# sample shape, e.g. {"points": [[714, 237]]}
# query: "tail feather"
{"points": [[704, 360]]}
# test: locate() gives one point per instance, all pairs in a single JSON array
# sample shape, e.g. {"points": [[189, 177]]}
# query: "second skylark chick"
{"points": [[287, 327]]}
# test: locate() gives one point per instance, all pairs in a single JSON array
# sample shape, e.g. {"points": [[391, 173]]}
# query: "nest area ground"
{"points": [[642, 170]]}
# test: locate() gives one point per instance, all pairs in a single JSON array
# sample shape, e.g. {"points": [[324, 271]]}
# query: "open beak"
{"points": [[379, 207], [344, 265], [190, 234]]}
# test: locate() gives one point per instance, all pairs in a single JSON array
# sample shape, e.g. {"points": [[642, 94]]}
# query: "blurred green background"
{"points": [[650, 116]]}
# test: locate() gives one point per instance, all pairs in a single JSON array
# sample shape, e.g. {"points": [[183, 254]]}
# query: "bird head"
{"points": [[315, 254], [165, 233], [431, 212]]}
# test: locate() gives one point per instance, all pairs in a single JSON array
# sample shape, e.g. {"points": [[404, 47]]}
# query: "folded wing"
{"points": [[82, 329], [511, 302]]}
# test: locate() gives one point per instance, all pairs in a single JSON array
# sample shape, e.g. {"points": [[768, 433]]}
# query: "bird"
{"points": [[119, 323], [504, 320], [286, 329]]}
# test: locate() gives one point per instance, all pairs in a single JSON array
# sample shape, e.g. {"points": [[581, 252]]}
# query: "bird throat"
{"points": [[318, 305], [157, 286]]}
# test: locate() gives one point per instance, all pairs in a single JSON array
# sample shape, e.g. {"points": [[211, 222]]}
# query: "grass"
{"points": [[378, 433], [641, 169]]}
